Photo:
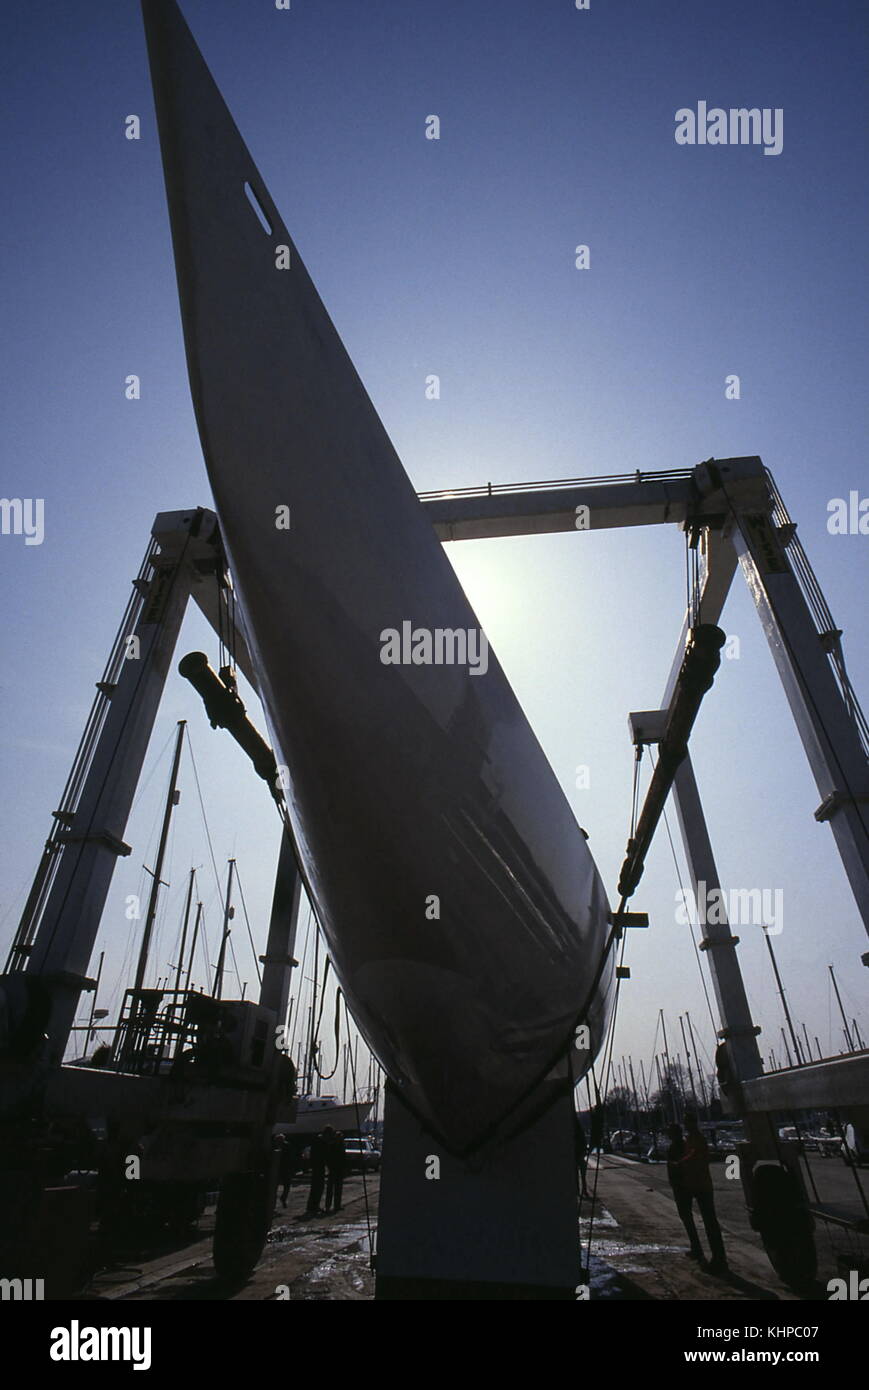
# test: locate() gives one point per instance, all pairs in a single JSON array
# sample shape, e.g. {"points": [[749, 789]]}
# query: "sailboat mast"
{"points": [[227, 917], [706, 1103], [151, 914], [187, 906], [197, 920], [688, 1060], [841, 1011]]}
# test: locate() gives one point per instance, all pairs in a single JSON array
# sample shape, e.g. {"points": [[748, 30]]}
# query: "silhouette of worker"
{"points": [[696, 1186], [596, 1128], [287, 1160], [335, 1160], [675, 1154], [581, 1148], [319, 1149]]}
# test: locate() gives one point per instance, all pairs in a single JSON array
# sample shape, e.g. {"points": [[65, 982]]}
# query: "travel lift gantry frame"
{"points": [[195, 1084], [732, 510]]}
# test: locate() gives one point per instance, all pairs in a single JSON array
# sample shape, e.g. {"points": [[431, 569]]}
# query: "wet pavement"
{"points": [[638, 1249]]}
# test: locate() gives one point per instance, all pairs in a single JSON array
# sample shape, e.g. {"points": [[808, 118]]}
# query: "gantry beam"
{"points": [[639, 499], [727, 507], [837, 1081]]}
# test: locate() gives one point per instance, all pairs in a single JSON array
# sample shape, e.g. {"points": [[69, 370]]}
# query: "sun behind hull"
{"points": [[461, 906]]}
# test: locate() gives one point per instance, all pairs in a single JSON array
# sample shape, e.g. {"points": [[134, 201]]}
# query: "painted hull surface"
{"points": [[414, 790]]}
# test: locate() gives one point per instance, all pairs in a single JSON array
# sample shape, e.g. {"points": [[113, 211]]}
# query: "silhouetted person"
{"points": [[675, 1154], [335, 1161], [595, 1136], [581, 1148], [318, 1170], [693, 1170], [286, 1165]]}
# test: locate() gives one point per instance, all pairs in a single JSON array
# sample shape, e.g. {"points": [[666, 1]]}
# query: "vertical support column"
{"points": [[737, 1027], [785, 1229], [63, 945], [278, 960], [828, 732]]}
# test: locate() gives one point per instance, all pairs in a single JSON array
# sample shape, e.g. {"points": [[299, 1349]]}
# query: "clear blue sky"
{"points": [[456, 257]]}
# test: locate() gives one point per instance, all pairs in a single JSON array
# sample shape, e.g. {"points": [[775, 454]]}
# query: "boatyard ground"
{"points": [[638, 1249]]}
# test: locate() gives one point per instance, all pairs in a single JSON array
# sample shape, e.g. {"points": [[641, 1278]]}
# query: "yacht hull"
{"points": [[461, 906]]}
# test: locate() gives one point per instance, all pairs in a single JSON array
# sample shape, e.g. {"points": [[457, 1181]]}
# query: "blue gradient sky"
{"points": [[457, 257]]}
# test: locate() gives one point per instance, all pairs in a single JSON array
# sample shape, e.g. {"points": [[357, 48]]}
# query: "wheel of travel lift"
{"points": [[786, 1227], [241, 1225]]}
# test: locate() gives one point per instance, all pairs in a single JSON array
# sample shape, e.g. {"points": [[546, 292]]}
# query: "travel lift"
{"points": [[504, 1224], [194, 1083], [731, 510]]}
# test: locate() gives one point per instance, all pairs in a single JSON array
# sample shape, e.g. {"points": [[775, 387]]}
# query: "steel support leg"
{"points": [[828, 732], [774, 1198]]}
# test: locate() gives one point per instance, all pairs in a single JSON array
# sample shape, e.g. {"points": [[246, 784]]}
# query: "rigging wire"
{"points": [[606, 1073], [359, 1130], [249, 931], [206, 952], [609, 1039], [204, 816]]}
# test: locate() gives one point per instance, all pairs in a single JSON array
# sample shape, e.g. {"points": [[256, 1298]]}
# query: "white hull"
{"points": [[406, 781], [311, 1118]]}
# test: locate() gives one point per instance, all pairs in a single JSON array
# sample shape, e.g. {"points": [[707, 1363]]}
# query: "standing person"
{"points": [[286, 1166], [335, 1158], [697, 1184], [581, 1147], [675, 1154], [596, 1128], [319, 1147]]}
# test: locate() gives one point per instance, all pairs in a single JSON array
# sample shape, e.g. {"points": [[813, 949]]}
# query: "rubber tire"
{"points": [[786, 1231], [241, 1225]]}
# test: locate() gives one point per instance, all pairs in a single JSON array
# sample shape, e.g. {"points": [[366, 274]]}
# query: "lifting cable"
{"points": [[607, 1068], [692, 581], [327, 1075], [316, 1029], [314, 1045], [301, 977]]}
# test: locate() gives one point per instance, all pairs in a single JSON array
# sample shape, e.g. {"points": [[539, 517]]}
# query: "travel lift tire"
{"points": [[785, 1226], [242, 1223]]}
